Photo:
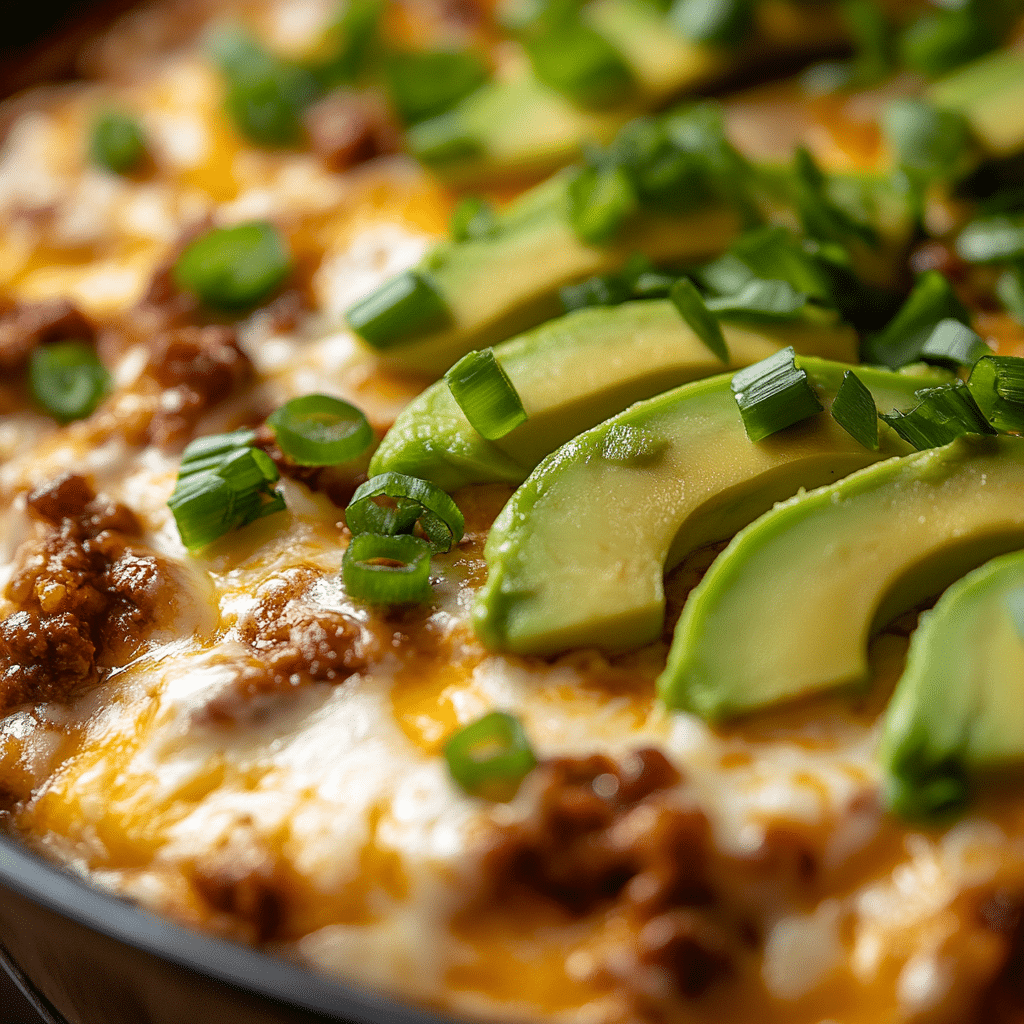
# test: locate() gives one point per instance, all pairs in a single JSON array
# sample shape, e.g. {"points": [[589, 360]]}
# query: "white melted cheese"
{"points": [[321, 772]]}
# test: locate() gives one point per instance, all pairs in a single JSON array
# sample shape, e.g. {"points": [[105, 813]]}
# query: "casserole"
{"points": [[227, 721]]}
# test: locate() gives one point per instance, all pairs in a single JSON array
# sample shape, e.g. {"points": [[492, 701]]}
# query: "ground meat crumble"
{"points": [[612, 835], [84, 588], [197, 367], [296, 639], [23, 326]]}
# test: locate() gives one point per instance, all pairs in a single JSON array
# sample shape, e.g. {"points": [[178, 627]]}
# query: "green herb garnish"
{"points": [[491, 756], [484, 393]]}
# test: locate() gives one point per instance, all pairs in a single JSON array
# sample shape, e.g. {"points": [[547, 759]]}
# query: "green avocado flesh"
{"points": [[788, 609], [990, 93], [957, 707], [577, 556], [572, 373], [517, 126], [496, 287]]}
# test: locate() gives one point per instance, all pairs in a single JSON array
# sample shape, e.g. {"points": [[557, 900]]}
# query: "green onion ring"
{"points": [[414, 500], [491, 756], [318, 430], [401, 575], [484, 393]]}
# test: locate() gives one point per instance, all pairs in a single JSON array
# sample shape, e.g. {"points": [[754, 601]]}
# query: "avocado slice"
{"points": [[573, 372], [990, 93], [576, 557], [496, 287], [789, 606], [516, 126], [957, 707]]}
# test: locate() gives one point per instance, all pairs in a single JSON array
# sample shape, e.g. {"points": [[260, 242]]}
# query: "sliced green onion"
{"points": [[386, 569], [223, 484], [932, 300], [760, 300], [485, 394], [944, 414], [204, 452], [601, 199], [67, 379], [699, 130], [393, 503], [491, 756], [638, 279], [653, 284], [1014, 604], [928, 140], [954, 343], [425, 84], [266, 95], [725, 22], [727, 275], [1010, 292], [472, 218], [992, 240], [117, 142], [997, 386], [403, 308], [595, 291], [685, 297], [773, 394], [234, 268], [199, 509], [873, 39], [580, 63], [668, 172], [318, 430], [248, 469], [854, 410], [770, 253], [821, 218]]}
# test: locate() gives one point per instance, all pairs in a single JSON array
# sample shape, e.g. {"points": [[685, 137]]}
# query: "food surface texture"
{"points": [[520, 506]]}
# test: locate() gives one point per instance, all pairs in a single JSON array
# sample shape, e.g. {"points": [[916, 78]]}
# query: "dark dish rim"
{"points": [[246, 969]]}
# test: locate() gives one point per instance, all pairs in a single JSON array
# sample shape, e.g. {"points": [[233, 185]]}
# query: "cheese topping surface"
{"points": [[256, 754]]}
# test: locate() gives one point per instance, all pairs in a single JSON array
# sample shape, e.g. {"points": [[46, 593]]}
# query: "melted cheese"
{"points": [[134, 784]]}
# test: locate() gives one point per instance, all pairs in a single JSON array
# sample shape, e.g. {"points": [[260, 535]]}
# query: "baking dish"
{"points": [[93, 958]]}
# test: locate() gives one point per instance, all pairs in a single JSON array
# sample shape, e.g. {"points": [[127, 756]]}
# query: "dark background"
{"points": [[13, 1008], [40, 38]]}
